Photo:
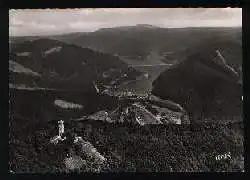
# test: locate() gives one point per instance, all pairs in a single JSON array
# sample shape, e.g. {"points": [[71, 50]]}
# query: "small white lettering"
{"points": [[223, 156]]}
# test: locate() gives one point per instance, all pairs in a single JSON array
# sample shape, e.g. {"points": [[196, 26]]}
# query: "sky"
{"points": [[30, 22]]}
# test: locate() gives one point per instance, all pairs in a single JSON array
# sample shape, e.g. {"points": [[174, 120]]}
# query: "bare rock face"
{"points": [[205, 88], [74, 163], [84, 156]]}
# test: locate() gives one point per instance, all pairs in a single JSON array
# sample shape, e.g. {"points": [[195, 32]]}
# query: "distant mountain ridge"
{"points": [[137, 42]]}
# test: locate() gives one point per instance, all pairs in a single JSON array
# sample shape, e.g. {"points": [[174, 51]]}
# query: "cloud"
{"points": [[16, 22], [80, 25], [57, 21], [44, 26], [112, 10]]}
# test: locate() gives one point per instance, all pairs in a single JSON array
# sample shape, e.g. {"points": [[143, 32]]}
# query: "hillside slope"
{"points": [[68, 66], [152, 148], [205, 85]]}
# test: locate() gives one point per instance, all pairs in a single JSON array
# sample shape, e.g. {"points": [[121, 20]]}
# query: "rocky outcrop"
{"points": [[84, 157]]}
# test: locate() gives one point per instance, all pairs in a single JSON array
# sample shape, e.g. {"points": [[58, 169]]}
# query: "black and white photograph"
{"points": [[94, 90]]}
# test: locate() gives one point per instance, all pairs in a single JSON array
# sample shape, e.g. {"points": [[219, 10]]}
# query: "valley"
{"points": [[151, 100]]}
